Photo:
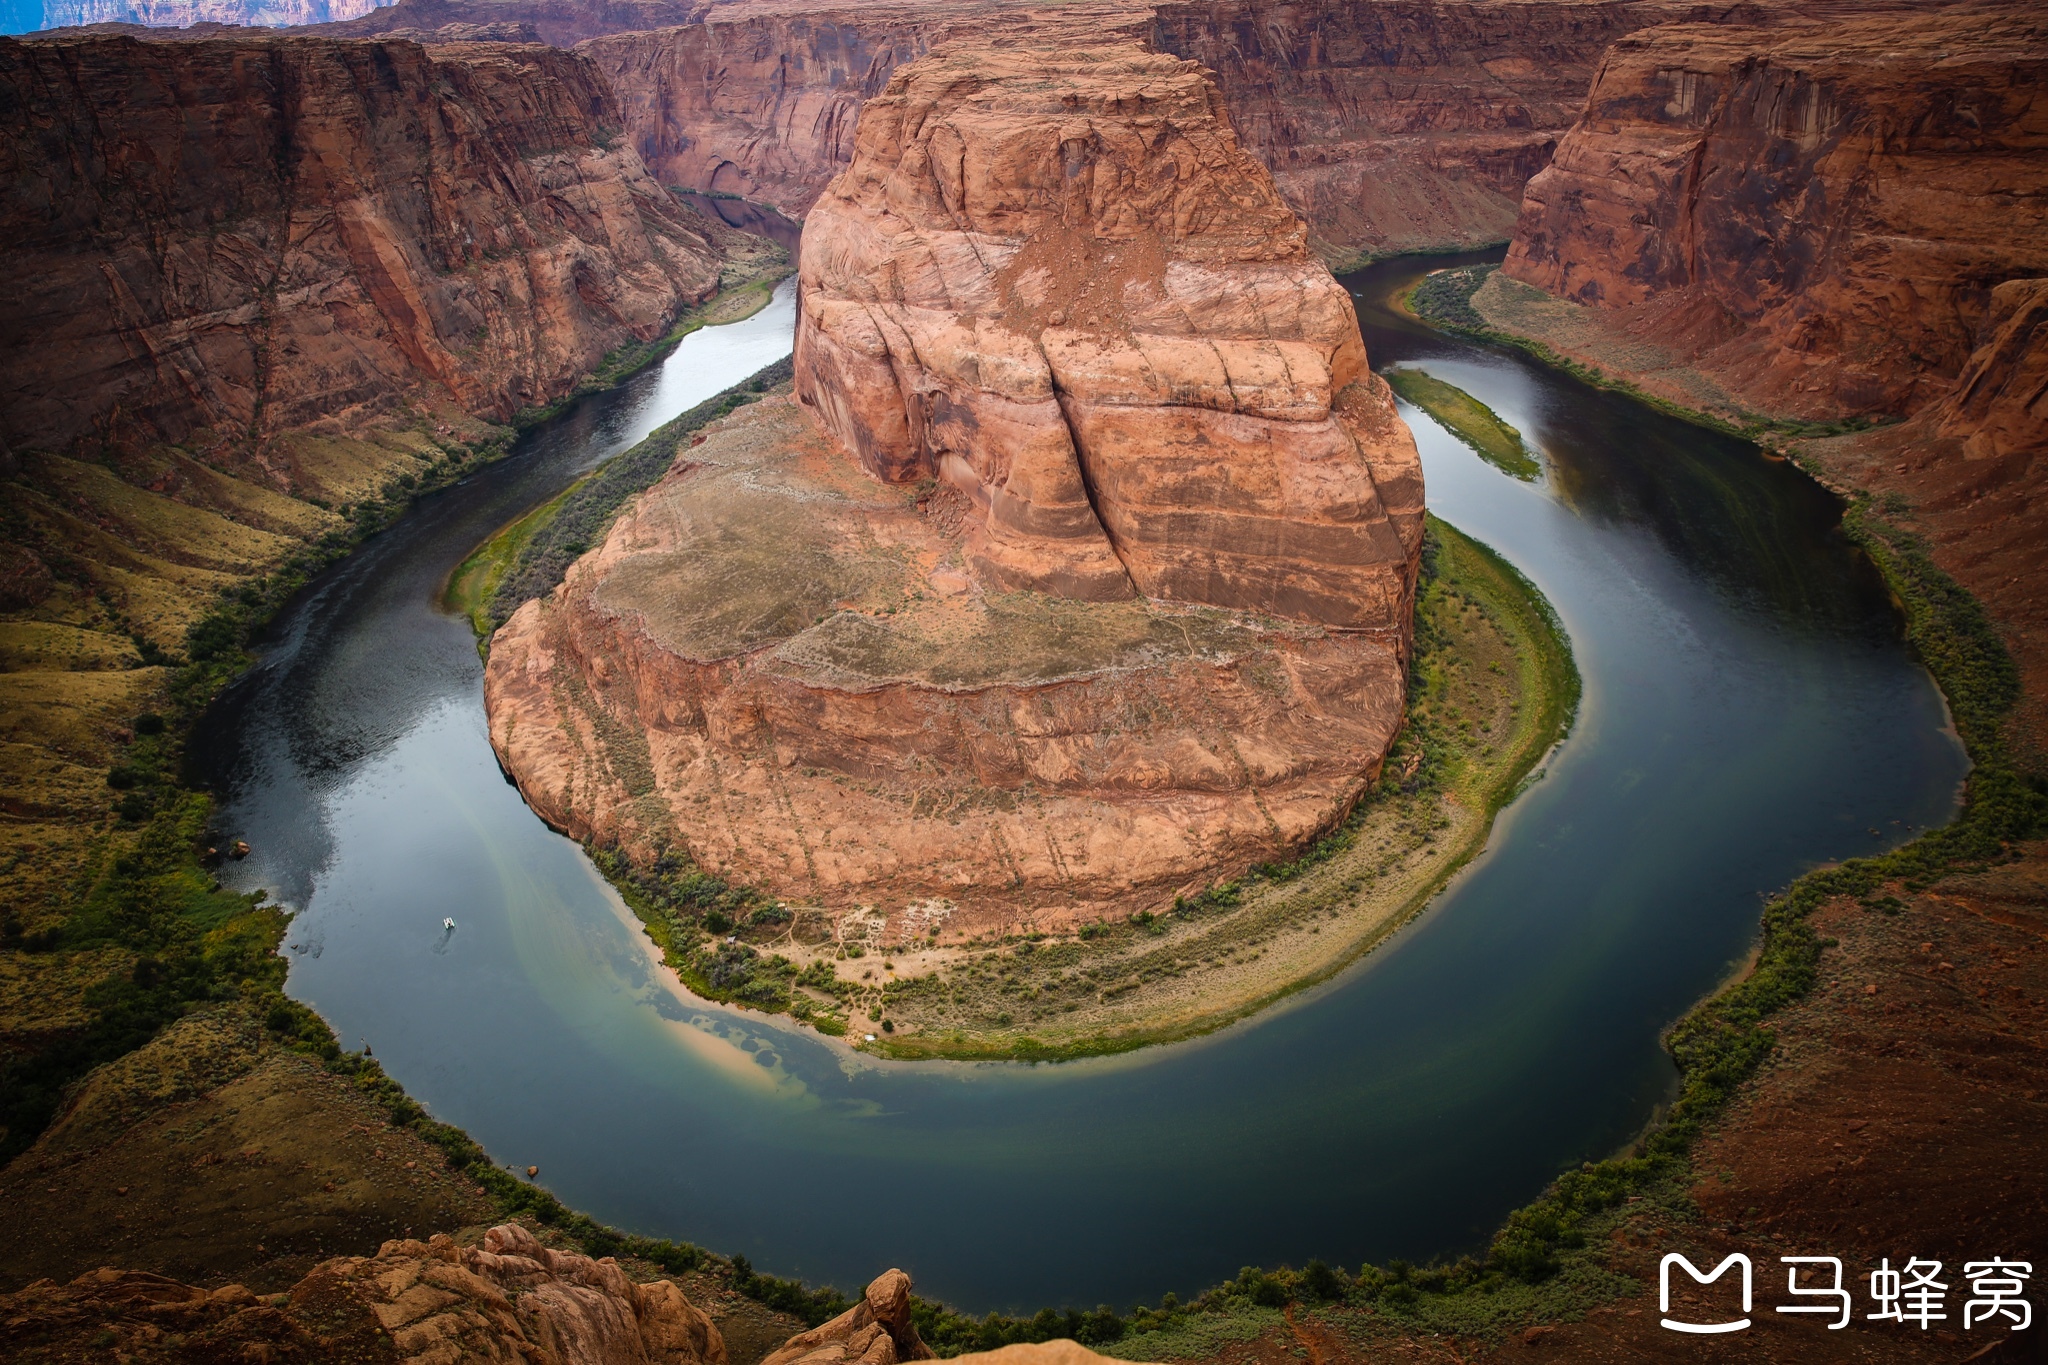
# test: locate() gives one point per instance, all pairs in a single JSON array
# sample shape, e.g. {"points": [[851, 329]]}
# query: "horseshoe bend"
{"points": [[1077, 571]]}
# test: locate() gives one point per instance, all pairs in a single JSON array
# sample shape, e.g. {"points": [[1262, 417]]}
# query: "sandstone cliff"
{"points": [[1101, 586], [764, 106], [509, 1299], [1407, 124], [247, 235], [1391, 126], [1060, 285], [1816, 216]]}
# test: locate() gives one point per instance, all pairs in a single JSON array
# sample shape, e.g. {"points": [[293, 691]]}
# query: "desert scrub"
{"points": [[527, 557], [1468, 419]]}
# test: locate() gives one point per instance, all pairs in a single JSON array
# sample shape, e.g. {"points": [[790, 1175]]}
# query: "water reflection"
{"points": [[1749, 711]]}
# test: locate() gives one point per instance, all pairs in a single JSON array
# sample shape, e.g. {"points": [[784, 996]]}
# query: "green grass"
{"points": [[1470, 420], [527, 557]]}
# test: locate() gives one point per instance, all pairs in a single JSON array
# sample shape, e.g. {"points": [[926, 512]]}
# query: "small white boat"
{"points": [[447, 923]]}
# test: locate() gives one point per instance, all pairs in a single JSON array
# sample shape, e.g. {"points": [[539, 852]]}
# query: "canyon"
{"points": [[946, 609], [1388, 127], [1820, 228], [330, 246], [1079, 572], [1816, 215]]}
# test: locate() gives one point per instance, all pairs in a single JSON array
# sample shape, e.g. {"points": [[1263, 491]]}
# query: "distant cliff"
{"points": [[1407, 124], [1817, 215], [1391, 126], [762, 107], [184, 13], [252, 234]]}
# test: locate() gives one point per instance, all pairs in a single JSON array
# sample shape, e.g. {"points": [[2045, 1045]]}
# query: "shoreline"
{"points": [[1250, 941], [1582, 1205]]}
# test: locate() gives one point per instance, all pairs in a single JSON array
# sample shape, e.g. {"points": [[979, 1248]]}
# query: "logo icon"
{"points": [[1664, 1292]]}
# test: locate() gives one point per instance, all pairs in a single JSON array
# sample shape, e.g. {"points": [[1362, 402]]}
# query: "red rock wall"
{"points": [[1388, 126], [763, 107], [1818, 213], [252, 234], [1406, 124], [1053, 278]]}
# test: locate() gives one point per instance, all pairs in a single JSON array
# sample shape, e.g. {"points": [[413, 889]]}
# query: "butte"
{"points": [[1076, 572]]}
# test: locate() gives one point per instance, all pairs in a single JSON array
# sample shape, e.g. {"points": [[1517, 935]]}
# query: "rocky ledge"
{"points": [[1087, 575], [1815, 215]]}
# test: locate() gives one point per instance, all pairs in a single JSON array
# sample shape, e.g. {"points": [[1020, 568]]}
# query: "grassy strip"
{"points": [[1424, 753], [1468, 419], [700, 923], [1444, 299], [526, 558]]}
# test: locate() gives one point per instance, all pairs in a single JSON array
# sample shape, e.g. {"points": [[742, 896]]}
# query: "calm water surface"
{"points": [[1750, 711]]}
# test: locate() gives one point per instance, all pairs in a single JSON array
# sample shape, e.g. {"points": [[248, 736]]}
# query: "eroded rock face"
{"points": [[1086, 575], [760, 106], [1820, 214], [253, 234], [1402, 124], [1054, 280], [787, 667], [511, 1299]]}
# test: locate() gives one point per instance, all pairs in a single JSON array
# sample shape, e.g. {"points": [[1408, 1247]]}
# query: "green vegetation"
{"points": [[702, 926], [1492, 688], [1470, 420], [527, 558]]}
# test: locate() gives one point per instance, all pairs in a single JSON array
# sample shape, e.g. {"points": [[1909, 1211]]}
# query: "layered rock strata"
{"points": [[1816, 216], [1391, 126], [1059, 285], [246, 235], [789, 668], [1086, 575], [764, 107], [876, 1331], [510, 1299], [1407, 124]]}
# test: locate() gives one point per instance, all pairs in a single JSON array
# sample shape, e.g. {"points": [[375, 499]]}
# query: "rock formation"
{"points": [[1391, 126], [875, 1331], [1101, 584], [1405, 124], [1817, 215], [252, 234], [1059, 285], [510, 1299], [760, 106]]}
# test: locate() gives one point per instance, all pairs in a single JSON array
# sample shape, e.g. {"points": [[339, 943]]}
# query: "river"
{"points": [[1750, 710]]}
